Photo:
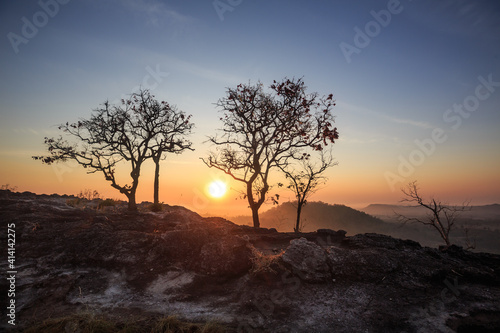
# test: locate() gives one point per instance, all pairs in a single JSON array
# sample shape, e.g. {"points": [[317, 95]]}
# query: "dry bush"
{"points": [[7, 187], [89, 194], [156, 207], [106, 203], [262, 263], [74, 202]]}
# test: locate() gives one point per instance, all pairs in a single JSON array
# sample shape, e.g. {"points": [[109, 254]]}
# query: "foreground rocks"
{"points": [[135, 266]]}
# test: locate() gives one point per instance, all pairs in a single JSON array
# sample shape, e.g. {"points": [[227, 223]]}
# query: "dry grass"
{"points": [[89, 323], [84, 323], [156, 207], [263, 263]]}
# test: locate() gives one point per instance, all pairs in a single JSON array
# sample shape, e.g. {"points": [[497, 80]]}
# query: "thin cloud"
{"points": [[170, 63], [411, 122], [419, 124], [461, 17], [17, 153], [157, 13], [203, 72], [33, 131]]}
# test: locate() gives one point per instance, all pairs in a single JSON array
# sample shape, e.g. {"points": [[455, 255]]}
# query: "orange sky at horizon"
{"points": [[184, 181]]}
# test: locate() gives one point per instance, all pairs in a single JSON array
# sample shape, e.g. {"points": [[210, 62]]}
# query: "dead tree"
{"points": [[441, 217], [264, 130]]}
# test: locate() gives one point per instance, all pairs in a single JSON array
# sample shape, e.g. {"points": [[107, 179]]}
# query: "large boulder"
{"points": [[307, 260]]}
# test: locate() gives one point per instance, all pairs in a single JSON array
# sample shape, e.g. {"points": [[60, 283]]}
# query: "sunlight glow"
{"points": [[217, 189]]}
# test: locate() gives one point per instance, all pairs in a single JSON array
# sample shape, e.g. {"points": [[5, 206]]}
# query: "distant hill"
{"points": [[483, 222], [317, 215], [484, 212]]}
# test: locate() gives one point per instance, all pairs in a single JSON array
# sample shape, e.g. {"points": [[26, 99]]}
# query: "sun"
{"points": [[217, 188]]}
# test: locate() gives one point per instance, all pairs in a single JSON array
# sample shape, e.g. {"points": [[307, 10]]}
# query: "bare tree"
{"points": [[440, 216], [165, 125], [263, 130], [470, 244], [129, 133], [305, 178]]}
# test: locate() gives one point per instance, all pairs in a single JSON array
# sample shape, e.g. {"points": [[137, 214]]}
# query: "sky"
{"points": [[417, 86]]}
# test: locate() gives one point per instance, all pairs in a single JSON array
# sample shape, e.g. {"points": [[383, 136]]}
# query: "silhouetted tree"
{"points": [[304, 177], [441, 217], [165, 125], [129, 132], [470, 244], [263, 130]]}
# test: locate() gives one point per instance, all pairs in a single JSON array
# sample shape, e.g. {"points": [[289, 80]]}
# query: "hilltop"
{"points": [[133, 268], [318, 215]]}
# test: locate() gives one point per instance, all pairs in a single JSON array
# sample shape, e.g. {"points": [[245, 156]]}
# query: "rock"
{"points": [[332, 235], [361, 265], [227, 257], [371, 240], [307, 260]]}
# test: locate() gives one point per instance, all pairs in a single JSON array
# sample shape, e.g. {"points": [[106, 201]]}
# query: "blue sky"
{"points": [[394, 91]]}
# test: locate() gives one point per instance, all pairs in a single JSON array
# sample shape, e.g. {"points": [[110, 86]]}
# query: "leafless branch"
{"points": [[440, 216]]}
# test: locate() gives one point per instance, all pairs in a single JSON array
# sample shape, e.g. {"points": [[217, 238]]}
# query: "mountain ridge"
{"points": [[482, 222]]}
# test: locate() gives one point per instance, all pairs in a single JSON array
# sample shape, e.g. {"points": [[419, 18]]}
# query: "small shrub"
{"points": [[73, 202], [7, 187], [156, 207], [167, 325], [89, 194], [106, 203]]}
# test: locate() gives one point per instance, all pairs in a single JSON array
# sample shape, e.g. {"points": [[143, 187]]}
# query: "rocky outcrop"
{"points": [[144, 264], [307, 260]]}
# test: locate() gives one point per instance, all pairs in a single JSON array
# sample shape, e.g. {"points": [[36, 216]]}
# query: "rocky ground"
{"points": [[129, 266]]}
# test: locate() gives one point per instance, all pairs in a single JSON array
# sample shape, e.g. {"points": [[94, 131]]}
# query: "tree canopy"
{"points": [[137, 129], [263, 130]]}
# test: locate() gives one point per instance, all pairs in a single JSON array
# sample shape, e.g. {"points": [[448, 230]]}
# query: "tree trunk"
{"points": [[132, 205], [447, 239], [299, 210], [157, 181], [254, 206], [255, 216]]}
